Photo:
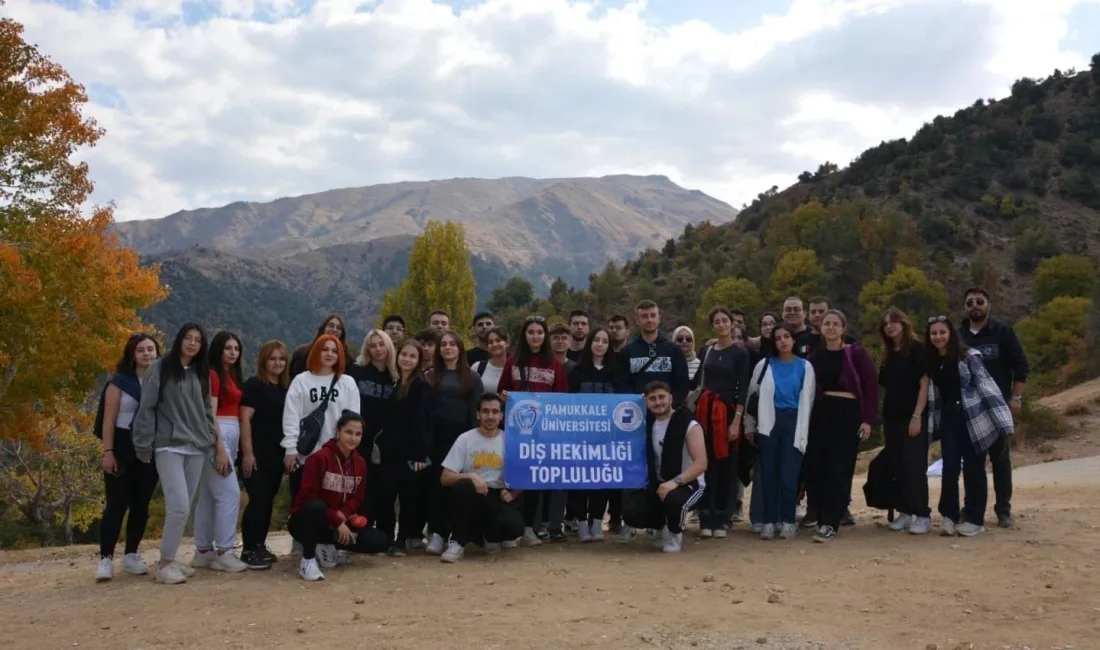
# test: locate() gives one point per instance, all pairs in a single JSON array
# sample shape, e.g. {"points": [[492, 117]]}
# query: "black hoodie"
{"points": [[1001, 350], [589, 379], [375, 387], [640, 363], [407, 434]]}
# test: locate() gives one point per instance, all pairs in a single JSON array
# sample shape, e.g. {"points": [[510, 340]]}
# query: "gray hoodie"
{"points": [[182, 419]]}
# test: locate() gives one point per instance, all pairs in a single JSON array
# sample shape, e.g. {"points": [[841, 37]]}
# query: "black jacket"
{"points": [[375, 388], [1001, 350], [589, 379], [407, 435], [672, 454], [640, 363]]}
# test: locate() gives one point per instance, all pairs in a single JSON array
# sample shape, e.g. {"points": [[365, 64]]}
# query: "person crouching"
{"points": [[323, 517]]}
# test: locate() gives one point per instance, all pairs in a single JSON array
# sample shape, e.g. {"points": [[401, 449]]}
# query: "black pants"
{"points": [[295, 482], [576, 508], [438, 499], [588, 505], [831, 456], [130, 491], [615, 502], [644, 509], [909, 459], [959, 456], [262, 487], [396, 481], [310, 527], [482, 517], [1001, 461], [373, 501]]}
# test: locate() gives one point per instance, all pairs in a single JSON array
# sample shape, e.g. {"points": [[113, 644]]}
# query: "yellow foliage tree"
{"points": [[69, 294], [1054, 336], [735, 293], [439, 277], [798, 273], [906, 288], [1071, 276]]}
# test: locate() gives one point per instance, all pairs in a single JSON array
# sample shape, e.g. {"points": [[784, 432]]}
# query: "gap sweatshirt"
{"points": [[306, 393], [183, 417]]}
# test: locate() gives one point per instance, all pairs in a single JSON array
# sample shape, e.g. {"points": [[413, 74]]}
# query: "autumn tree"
{"points": [[516, 293], [69, 294], [733, 293], [1064, 275], [798, 273], [1055, 336], [439, 277], [906, 288]]}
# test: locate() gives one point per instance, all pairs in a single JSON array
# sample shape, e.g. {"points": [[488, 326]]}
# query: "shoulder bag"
{"points": [[309, 428]]}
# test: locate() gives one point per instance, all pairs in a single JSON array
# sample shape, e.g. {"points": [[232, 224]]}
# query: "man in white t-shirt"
{"points": [[483, 510], [677, 459]]}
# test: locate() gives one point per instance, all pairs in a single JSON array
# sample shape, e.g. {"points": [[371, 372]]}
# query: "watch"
{"points": [[1019, 399], [679, 480]]}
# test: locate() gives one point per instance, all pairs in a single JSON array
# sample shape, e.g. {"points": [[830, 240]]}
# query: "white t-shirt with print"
{"points": [[473, 453]]}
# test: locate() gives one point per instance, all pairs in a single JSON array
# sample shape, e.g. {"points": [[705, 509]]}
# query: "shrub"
{"points": [[1038, 421]]}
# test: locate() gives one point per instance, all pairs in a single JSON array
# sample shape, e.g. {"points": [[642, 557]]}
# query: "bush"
{"points": [[1070, 276], [1038, 421]]}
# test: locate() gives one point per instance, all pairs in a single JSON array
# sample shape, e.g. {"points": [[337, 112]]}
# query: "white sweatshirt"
{"points": [[306, 393]]}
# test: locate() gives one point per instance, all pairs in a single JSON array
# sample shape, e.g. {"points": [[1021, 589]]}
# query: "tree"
{"points": [[607, 289], [439, 277], [69, 294], [1057, 334], [1072, 276], [731, 292], [516, 293], [798, 273], [906, 288]]}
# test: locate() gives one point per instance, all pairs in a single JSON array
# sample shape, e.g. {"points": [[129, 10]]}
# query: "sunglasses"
{"points": [[535, 319], [975, 301], [937, 319], [683, 339]]}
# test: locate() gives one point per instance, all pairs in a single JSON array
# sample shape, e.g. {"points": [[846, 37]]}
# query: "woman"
{"points": [[724, 377], [129, 483], [685, 338], [594, 373], [324, 510], [533, 369], [489, 370], [406, 449], [333, 325], [904, 379], [375, 373], [219, 500], [455, 391], [740, 338], [845, 409], [175, 429], [262, 402], [967, 412], [763, 345], [785, 386]]}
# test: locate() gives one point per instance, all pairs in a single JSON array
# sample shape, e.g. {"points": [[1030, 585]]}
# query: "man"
{"points": [[795, 317], [677, 459], [578, 330], [560, 337], [652, 357], [394, 326], [483, 510], [429, 341], [440, 321], [739, 318], [1006, 362], [618, 330], [483, 322]]}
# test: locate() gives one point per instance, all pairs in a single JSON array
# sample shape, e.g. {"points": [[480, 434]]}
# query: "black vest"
{"points": [[672, 455]]}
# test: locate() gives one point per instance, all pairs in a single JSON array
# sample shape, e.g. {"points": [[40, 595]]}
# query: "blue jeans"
{"points": [[959, 454], [780, 465]]}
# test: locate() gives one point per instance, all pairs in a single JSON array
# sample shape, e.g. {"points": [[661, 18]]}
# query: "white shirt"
{"points": [[657, 439], [490, 377]]}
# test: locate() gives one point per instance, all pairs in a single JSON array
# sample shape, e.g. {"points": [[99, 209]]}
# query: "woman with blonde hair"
{"points": [[262, 403], [375, 374]]}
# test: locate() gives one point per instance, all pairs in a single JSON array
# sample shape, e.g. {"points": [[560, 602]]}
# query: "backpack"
{"points": [[97, 428], [480, 367]]}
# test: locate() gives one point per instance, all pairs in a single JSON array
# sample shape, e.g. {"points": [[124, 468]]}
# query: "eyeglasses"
{"points": [[937, 319], [535, 319], [979, 301]]}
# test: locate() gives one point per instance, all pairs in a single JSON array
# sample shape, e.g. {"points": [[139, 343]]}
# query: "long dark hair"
{"points": [[524, 353], [403, 386], [128, 364], [217, 348], [767, 343], [173, 366], [955, 346], [609, 357], [439, 366], [908, 336]]}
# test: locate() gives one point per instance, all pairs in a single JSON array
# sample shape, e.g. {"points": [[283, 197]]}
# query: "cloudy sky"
{"points": [[211, 102]]}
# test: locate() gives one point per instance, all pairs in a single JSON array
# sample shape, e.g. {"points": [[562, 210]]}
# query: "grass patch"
{"points": [[1038, 421], [1076, 410]]}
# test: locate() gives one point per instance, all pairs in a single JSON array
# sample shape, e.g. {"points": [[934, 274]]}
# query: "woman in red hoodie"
{"points": [[532, 369], [323, 517]]}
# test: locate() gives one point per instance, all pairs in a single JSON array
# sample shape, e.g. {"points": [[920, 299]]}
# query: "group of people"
{"points": [[401, 448]]}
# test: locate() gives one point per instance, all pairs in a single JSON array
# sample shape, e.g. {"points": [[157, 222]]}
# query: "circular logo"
{"points": [[628, 416], [525, 415]]}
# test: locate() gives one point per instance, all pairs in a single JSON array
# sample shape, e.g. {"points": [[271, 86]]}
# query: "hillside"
{"points": [[981, 197]]}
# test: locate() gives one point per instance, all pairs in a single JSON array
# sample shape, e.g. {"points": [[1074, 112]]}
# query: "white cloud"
{"points": [[267, 98]]}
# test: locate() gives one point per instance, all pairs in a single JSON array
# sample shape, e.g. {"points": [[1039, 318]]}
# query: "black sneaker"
{"points": [[557, 535], [542, 534], [1006, 521], [825, 534], [847, 519], [255, 560], [267, 554]]}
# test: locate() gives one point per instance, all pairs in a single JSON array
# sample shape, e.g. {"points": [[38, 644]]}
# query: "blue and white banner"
{"points": [[574, 441]]}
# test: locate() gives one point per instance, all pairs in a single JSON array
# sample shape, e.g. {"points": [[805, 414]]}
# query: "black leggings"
{"points": [[310, 527], [438, 500], [262, 487], [588, 504], [482, 517], [130, 490], [396, 481], [831, 458]]}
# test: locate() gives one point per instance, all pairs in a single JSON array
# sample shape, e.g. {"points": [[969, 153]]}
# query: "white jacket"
{"points": [[765, 416], [305, 394]]}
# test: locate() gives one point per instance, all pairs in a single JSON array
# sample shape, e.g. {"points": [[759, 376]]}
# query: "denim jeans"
{"points": [[959, 454], [780, 465]]}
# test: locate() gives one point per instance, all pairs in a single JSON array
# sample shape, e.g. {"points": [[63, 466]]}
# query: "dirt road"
{"points": [[1037, 587]]}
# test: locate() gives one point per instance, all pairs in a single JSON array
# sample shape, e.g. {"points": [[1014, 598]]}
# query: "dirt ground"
{"points": [[1036, 587]]}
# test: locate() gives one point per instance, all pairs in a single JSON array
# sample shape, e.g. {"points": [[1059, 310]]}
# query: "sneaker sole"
{"points": [[144, 572], [448, 560], [104, 578], [162, 581]]}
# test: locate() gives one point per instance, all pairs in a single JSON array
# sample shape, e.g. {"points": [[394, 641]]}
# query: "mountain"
{"points": [[273, 269], [978, 197]]}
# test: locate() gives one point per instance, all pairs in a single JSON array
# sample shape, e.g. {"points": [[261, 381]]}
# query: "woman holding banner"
{"points": [[532, 369], [595, 373]]}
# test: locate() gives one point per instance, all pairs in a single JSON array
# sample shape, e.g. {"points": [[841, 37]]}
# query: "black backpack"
{"points": [[97, 428]]}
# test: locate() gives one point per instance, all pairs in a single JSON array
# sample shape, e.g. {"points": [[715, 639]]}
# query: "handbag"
{"points": [[693, 396], [752, 405], [309, 427]]}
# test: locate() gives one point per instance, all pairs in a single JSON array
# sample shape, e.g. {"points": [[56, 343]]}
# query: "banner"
{"points": [[574, 441]]}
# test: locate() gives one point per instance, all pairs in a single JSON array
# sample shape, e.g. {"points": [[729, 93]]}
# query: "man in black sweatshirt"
{"points": [[652, 357], [1006, 362]]}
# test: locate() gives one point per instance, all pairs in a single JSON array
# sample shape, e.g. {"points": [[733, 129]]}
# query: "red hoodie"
{"points": [[339, 482], [541, 378]]}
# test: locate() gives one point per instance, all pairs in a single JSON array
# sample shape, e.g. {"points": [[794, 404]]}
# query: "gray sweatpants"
{"points": [[179, 480]]}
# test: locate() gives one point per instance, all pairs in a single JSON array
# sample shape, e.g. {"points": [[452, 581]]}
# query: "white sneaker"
{"points": [[756, 529], [186, 570], [626, 534], [134, 565], [105, 570], [595, 531], [229, 562], [947, 528], [767, 532], [673, 543], [435, 545], [170, 574], [203, 559], [788, 531], [920, 526], [454, 553], [659, 539], [509, 544], [343, 558], [720, 533], [530, 538], [309, 570], [967, 529], [706, 533], [900, 523], [584, 531], [492, 548], [326, 555]]}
